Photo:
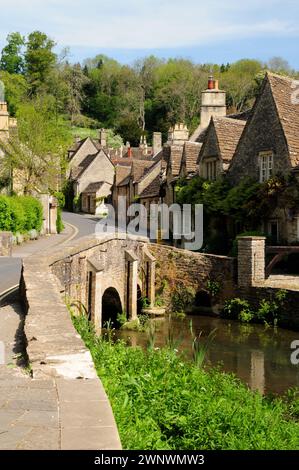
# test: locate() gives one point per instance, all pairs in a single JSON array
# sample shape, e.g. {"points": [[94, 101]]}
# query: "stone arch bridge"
{"points": [[109, 277]]}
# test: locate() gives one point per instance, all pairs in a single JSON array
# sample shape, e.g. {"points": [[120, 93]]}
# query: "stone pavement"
{"points": [[64, 406], [43, 243], [28, 408]]}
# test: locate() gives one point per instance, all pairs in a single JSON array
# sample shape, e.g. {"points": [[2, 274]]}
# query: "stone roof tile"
{"points": [[288, 111]]}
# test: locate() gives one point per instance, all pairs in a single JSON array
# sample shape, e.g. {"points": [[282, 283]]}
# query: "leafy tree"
{"points": [[279, 65], [75, 80], [239, 82], [36, 153], [15, 90], [39, 59], [12, 60]]}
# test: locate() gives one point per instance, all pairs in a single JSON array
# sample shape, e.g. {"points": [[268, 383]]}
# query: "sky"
{"points": [[214, 31]]}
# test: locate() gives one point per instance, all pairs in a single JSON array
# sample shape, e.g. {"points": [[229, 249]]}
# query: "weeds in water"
{"points": [[151, 335], [199, 347], [172, 342]]}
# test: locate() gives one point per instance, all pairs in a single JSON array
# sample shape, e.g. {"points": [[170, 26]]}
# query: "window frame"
{"points": [[266, 165]]}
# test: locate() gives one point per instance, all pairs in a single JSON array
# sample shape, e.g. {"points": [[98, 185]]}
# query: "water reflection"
{"points": [[257, 355]]}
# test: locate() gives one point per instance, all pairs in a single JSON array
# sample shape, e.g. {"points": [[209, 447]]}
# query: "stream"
{"points": [[258, 355]]}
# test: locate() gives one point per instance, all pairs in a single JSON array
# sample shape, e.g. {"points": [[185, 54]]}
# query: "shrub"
{"points": [[20, 214], [268, 311], [5, 213], [182, 298], [233, 308]]}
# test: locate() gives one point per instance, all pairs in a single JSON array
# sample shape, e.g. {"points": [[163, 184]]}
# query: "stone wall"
{"points": [[176, 267], [5, 243], [289, 317]]}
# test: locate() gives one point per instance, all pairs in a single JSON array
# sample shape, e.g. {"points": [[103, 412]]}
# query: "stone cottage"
{"points": [[92, 180], [221, 140], [269, 145]]}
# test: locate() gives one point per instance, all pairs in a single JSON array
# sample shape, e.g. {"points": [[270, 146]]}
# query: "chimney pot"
{"points": [[211, 83]]}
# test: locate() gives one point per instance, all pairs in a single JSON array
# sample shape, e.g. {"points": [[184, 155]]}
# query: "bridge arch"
{"points": [[111, 306]]}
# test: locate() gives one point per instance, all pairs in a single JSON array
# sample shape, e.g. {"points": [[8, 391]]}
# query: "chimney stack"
{"points": [[129, 150], [213, 103], [103, 138], [4, 120], [178, 134], [157, 142]]}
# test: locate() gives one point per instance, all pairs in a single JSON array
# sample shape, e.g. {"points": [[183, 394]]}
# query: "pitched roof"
{"points": [[199, 134], [153, 189], [175, 158], [190, 156], [282, 91], [136, 152], [139, 168], [228, 133], [94, 187], [78, 171], [121, 174]]}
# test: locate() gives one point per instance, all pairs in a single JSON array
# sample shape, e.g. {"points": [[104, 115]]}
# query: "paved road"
{"points": [[85, 224], [10, 268]]}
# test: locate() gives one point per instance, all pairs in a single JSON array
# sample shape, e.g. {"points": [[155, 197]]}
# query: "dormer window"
{"points": [[210, 169], [266, 165]]}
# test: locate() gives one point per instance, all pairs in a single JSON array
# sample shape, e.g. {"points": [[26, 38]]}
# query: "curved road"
{"points": [[10, 268]]}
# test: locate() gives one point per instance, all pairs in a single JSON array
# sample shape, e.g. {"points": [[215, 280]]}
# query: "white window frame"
{"points": [[210, 168], [266, 164]]}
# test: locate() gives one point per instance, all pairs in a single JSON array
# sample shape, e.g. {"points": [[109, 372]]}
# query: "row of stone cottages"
{"points": [[257, 144]]}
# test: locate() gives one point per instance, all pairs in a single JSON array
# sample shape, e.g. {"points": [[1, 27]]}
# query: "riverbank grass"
{"points": [[161, 401]]}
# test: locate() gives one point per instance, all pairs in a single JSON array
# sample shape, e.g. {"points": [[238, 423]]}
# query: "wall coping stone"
{"points": [[56, 351]]}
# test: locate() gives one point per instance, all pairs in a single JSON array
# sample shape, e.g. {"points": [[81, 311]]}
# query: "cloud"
{"points": [[146, 24]]}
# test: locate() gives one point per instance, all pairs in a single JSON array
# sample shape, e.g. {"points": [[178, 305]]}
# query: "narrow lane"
{"points": [[10, 268]]}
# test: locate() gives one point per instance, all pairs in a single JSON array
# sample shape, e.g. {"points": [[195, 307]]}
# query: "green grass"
{"points": [[84, 132], [161, 401]]}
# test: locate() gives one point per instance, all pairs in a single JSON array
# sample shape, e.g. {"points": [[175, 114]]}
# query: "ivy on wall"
{"points": [[245, 205]]}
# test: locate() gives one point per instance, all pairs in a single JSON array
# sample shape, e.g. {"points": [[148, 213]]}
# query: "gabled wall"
{"points": [[87, 148], [262, 132], [101, 169]]}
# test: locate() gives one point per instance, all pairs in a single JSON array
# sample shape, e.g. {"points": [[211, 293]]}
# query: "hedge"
{"points": [[20, 214]]}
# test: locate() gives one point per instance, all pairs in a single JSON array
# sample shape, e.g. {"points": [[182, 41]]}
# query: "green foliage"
{"points": [[20, 214], [122, 318], [37, 151], [182, 298], [239, 81], [39, 59], [213, 287], [12, 60], [77, 202], [59, 222], [268, 311], [161, 401], [16, 89], [238, 309]]}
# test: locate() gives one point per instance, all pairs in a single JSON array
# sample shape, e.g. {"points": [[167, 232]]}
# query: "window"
{"points": [[273, 230], [211, 169], [266, 165]]}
